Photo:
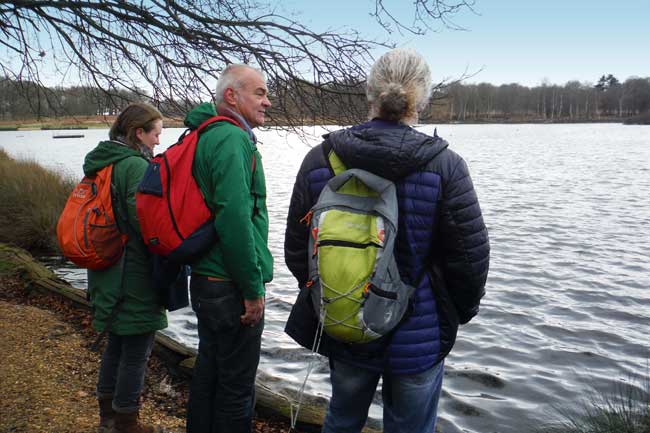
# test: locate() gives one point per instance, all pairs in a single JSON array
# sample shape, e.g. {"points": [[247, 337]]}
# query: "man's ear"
{"points": [[229, 96]]}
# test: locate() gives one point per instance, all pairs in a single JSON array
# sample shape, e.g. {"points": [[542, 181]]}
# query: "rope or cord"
{"points": [[343, 294], [314, 352], [346, 295]]}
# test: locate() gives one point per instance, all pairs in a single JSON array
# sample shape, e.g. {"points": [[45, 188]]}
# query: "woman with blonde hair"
{"points": [[441, 249], [126, 306]]}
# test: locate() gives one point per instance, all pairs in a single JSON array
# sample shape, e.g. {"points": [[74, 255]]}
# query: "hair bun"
{"points": [[393, 102], [398, 85]]}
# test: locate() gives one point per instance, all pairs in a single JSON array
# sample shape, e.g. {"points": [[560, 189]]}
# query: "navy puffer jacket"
{"points": [[442, 246]]}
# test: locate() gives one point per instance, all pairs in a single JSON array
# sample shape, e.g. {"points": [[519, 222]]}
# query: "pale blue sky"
{"points": [[514, 41]]}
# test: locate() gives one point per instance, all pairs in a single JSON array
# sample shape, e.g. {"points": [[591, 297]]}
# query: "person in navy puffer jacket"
{"points": [[442, 249]]}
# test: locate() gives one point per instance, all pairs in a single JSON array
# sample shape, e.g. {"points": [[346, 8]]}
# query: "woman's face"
{"points": [[151, 138]]}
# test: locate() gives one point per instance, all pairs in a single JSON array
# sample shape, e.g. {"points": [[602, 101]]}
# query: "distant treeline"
{"points": [[607, 99], [27, 100], [20, 100], [573, 102]]}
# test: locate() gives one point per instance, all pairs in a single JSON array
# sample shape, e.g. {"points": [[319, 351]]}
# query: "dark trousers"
{"points": [[121, 373], [222, 392]]}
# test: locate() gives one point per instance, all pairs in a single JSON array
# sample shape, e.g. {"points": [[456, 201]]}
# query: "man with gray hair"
{"points": [[227, 287]]}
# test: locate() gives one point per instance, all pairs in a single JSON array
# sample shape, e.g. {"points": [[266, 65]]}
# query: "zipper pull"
{"points": [[306, 220]]}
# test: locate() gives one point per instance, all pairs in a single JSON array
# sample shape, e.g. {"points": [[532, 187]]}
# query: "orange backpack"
{"points": [[87, 230]]}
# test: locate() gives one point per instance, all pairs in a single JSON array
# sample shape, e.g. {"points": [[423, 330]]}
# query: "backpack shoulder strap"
{"points": [[213, 119], [337, 165], [120, 212], [353, 185], [256, 210]]}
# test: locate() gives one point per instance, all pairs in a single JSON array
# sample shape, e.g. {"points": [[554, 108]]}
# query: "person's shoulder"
{"points": [[446, 160], [133, 162], [130, 168], [315, 157], [224, 137], [316, 150], [450, 155], [224, 130]]}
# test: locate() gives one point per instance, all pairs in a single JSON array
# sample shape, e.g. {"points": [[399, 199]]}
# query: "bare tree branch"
{"points": [[426, 13], [172, 51]]}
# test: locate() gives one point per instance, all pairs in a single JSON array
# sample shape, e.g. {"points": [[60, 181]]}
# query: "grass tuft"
{"points": [[625, 410], [32, 198]]}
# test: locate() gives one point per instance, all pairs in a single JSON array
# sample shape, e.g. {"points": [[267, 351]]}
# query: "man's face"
{"points": [[251, 99]]}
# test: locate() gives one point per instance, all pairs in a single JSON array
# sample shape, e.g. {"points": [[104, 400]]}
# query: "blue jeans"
{"points": [[121, 373], [410, 401], [222, 392]]}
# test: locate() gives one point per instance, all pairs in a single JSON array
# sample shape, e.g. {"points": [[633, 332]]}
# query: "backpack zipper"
{"points": [[339, 243], [86, 227], [382, 293]]}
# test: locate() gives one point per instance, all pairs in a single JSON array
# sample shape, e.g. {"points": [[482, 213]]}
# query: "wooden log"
{"points": [[179, 357], [37, 276]]}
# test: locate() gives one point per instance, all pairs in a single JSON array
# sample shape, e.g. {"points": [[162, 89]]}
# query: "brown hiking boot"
{"points": [[128, 423], [106, 414]]}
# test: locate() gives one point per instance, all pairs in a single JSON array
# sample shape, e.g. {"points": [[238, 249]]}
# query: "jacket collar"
{"points": [[241, 120]]}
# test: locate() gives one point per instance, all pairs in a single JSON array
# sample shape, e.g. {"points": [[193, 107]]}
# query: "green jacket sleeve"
{"points": [[230, 174]]}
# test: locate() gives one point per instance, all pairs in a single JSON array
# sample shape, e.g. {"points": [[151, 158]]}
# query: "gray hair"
{"points": [[230, 79], [399, 85]]}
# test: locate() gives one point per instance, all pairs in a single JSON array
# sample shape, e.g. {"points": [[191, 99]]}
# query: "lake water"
{"points": [[567, 309]]}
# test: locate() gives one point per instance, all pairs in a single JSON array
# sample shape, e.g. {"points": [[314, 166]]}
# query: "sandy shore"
{"points": [[48, 373]]}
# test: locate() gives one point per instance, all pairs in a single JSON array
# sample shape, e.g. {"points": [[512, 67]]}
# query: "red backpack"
{"points": [[174, 219], [87, 231]]}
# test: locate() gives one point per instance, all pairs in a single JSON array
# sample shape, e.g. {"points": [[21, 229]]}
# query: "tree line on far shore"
{"points": [[26, 100], [607, 99]]}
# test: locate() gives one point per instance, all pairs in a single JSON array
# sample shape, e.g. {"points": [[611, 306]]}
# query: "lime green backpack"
{"points": [[354, 281]]}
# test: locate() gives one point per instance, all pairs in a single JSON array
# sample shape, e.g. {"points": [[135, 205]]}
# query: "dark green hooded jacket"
{"points": [[223, 170], [141, 311]]}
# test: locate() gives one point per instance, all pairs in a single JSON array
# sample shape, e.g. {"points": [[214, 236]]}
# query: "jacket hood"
{"points": [[199, 114], [388, 150], [107, 152]]}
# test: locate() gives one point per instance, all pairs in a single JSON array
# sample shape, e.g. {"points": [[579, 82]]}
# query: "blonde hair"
{"points": [[134, 116], [398, 86]]}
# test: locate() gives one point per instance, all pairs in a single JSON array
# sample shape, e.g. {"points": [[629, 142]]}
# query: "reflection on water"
{"points": [[567, 308]]}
